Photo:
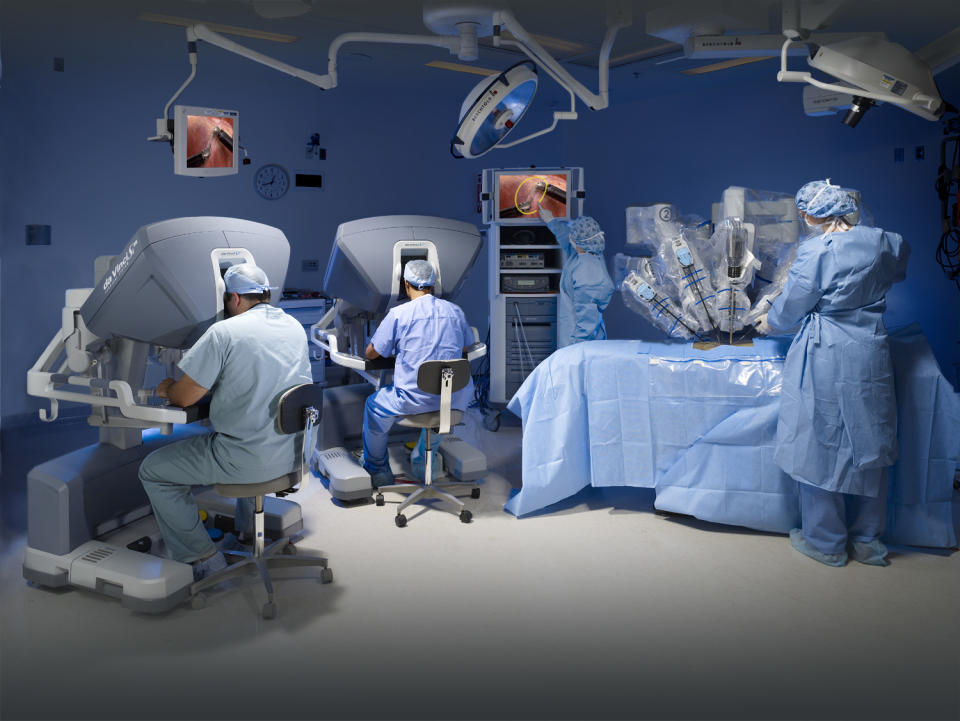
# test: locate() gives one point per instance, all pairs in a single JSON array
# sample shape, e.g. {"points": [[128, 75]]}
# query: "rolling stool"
{"points": [[442, 378], [298, 409]]}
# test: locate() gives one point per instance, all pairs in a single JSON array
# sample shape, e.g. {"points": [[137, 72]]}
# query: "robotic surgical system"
{"points": [[364, 275], [89, 520]]}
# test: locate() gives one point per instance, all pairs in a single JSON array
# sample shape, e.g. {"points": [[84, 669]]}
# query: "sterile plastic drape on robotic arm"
{"points": [[692, 284]]}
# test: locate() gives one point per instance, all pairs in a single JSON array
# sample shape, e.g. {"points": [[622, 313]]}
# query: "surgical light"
{"points": [[492, 109], [873, 70]]}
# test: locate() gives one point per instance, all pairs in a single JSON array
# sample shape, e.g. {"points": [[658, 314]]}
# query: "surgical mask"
{"points": [[835, 225], [583, 243]]}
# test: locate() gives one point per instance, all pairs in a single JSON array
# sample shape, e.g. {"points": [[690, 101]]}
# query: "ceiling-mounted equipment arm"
{"points": [[202, 32], [463, 46], [537, 53]]}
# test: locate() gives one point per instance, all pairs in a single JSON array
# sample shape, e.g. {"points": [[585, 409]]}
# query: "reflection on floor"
{"points": [[599, 608]]}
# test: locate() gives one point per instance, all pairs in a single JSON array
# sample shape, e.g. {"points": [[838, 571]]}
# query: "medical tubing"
{"points": [[518, 331], [948, 249]]}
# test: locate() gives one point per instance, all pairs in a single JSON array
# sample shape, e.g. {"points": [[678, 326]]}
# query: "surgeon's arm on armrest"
{"points": [[371, 352], [184, 392]]}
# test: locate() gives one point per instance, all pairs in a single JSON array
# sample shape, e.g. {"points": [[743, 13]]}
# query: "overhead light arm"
{"points": [[557, 117], [537, 53]]}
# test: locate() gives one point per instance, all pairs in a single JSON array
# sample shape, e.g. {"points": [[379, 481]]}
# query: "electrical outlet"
{"points": [[310, 265]]}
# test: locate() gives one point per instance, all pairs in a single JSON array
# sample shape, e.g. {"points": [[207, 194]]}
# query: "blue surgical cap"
{"points": [[585, 233], [822, 199], [245, 278], [419, 274]]}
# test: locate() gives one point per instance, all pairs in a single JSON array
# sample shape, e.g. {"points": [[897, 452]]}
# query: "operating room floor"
{"points": [[598, 609]]}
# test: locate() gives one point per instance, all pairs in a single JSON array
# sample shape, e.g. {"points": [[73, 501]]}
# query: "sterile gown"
{"points": [[585, 291], [837, 428]]}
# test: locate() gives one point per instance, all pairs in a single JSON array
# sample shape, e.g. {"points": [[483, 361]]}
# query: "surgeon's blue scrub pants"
{"points": [[831, 520], [168, 476], [379, 415]]}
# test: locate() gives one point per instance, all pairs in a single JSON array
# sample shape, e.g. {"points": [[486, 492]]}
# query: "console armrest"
{"points": [[380, 364], [475, 350], [199, 410]]}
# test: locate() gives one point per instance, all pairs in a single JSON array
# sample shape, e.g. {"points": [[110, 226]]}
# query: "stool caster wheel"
{"points": [[289, 550], [199, 601], [379, 499], [475, 493], [465, 516], [326, 575], [269, 610], [401, 520]]}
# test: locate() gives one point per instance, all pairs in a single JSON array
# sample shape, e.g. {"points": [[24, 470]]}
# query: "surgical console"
{"points": [[364, 275], [87, 510]]}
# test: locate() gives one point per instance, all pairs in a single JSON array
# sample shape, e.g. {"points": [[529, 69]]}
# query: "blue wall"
{"points": [[74, 156]]}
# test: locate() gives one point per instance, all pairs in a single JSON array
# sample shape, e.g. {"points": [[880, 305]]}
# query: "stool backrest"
{"points": [[293, 405], [428, 375]]}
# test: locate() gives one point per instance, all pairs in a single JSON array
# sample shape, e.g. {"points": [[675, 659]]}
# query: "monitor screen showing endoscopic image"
{"points": [[204, 141], [521, 195]]}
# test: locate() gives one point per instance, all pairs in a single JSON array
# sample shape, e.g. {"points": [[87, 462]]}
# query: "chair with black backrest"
{"points": [[441, 378], [298, 410]]}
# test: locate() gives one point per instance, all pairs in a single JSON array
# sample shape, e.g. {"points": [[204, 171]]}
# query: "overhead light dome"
{"points": [[492, 110]]}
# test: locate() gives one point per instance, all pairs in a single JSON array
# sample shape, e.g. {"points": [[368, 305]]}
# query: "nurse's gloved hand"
{"points": [[545, 215], [762, 326]]}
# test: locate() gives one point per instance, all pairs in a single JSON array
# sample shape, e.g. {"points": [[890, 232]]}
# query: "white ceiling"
{"points": [[913, 23], [580, 22]]}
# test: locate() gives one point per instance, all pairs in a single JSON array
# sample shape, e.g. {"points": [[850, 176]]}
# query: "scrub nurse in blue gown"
{"points": [[837, 429]]}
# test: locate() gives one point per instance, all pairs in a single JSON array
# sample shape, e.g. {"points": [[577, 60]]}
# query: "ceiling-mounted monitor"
{"points": [[205, 141]]}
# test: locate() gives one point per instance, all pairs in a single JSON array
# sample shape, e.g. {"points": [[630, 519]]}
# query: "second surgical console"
{"points": [[364, 274]]}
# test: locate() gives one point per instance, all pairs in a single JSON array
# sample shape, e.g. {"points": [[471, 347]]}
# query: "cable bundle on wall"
{"points": [[948, 189]]}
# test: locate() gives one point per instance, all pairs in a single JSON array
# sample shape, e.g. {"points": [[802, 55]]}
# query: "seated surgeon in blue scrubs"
{"points": [[421, 329], [837, 430], [585, 285], [246, 360]]}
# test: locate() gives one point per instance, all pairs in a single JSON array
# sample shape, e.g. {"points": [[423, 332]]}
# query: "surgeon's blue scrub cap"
{"points": [[245, 278], [585, 233], [822, 199], [419, 274]]}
